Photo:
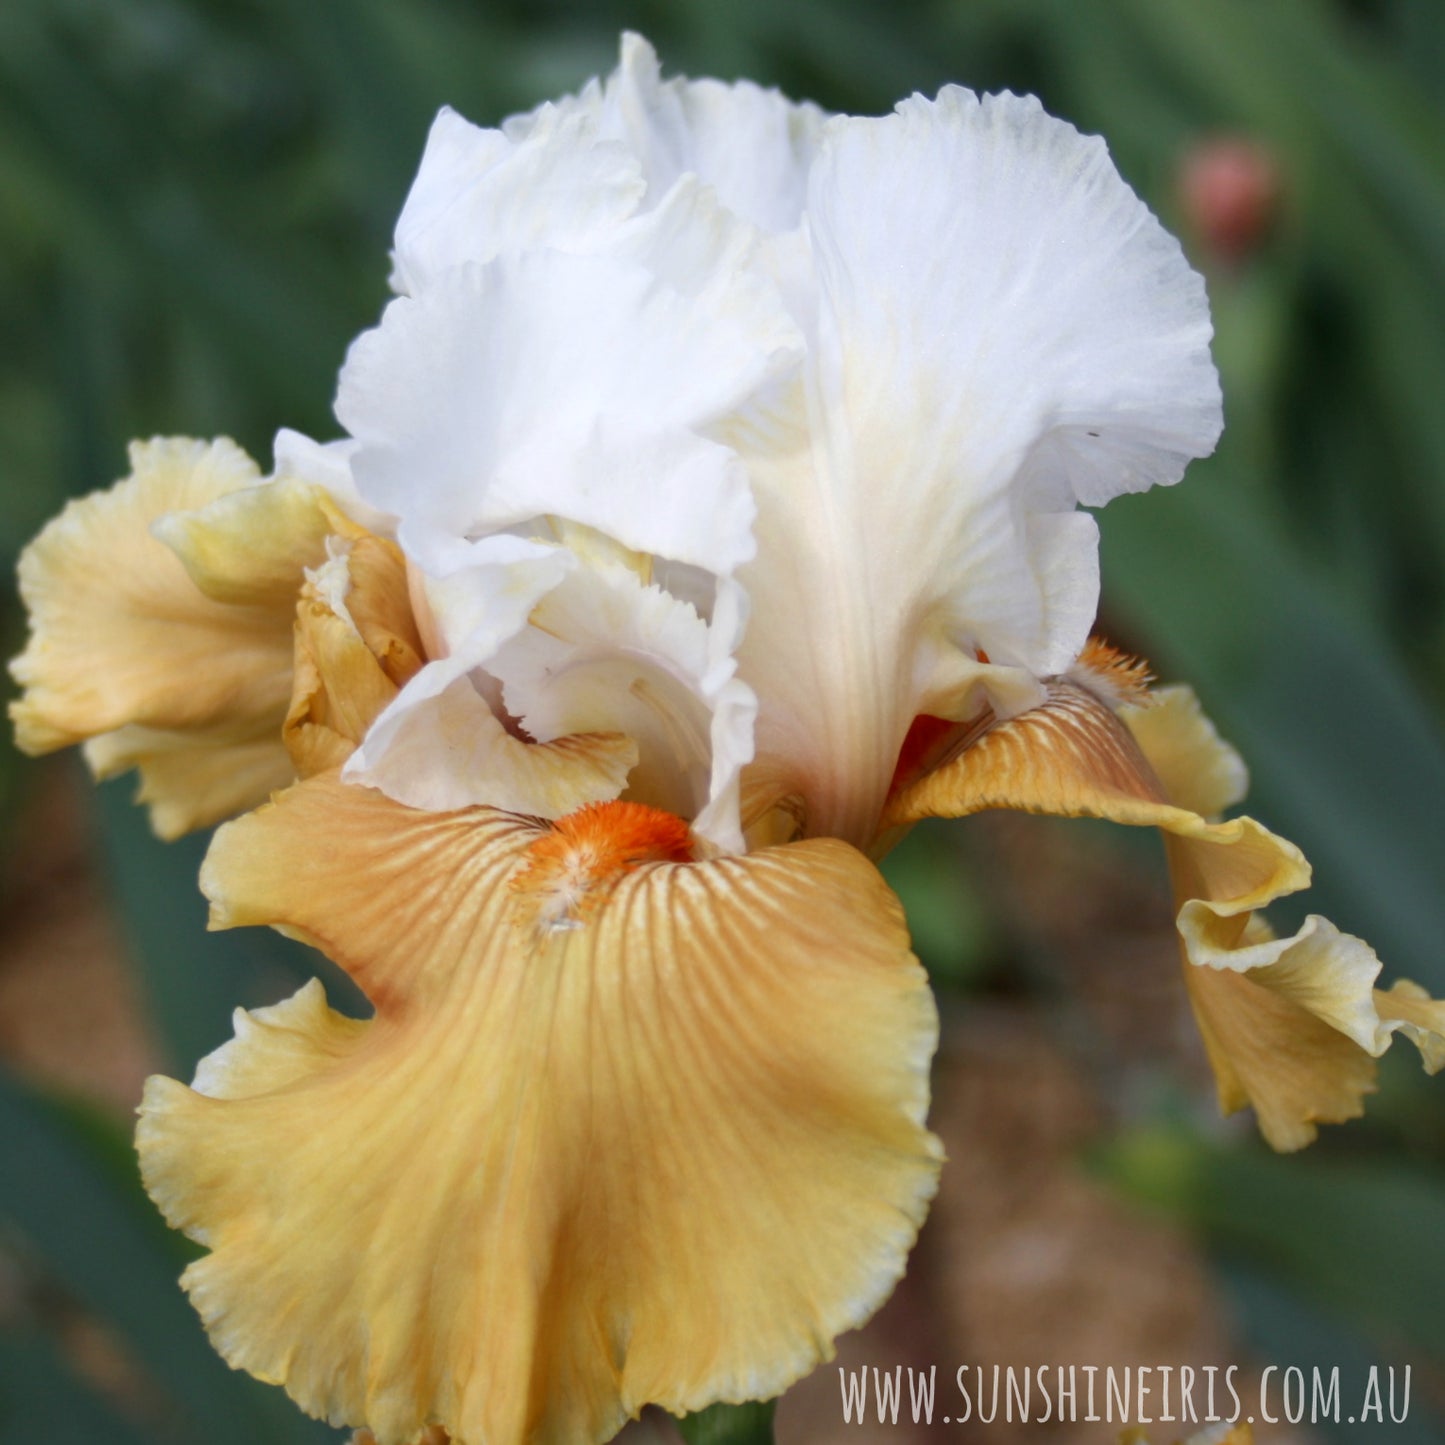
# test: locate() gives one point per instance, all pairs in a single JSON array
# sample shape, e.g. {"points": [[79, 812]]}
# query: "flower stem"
{"points": [[747, 1424]]}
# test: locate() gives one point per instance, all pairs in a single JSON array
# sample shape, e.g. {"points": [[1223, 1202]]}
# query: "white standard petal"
{"points": [[556, 385], [753, 146], [481, 192], [987, 270], [556, 182], [1000, 332]]}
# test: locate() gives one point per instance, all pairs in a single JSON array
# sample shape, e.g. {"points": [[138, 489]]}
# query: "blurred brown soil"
{"points": [[70, 1012]]}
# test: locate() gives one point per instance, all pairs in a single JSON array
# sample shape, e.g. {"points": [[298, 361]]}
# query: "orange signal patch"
{"points": [[1125, 677], [577, 860]]}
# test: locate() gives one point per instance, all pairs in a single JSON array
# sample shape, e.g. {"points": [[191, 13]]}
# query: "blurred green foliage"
{"points": [[196, 207]]}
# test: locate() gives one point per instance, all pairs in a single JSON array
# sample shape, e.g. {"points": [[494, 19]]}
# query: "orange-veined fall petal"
{"points": [[623, 1130], [129, 654], [1292, 1025]]}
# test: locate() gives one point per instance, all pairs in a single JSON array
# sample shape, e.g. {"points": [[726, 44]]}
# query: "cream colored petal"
{"points": [[1292, 1024], [622, 1131], [1270, 1052], [1198, 769], [607, 652], [442, 747], [443, 744], [1409, 1009], [118, 630], [128, 654], [249, 548], [191, 779], [997, 330]]}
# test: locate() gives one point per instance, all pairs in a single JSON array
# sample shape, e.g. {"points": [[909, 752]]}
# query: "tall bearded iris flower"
{"points": [[708, 514]]}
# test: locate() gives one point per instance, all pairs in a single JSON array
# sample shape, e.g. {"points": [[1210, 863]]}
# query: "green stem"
{"points": [[749, 1424]]}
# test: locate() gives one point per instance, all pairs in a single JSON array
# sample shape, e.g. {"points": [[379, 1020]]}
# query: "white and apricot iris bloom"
{"points": [[708, 514]]}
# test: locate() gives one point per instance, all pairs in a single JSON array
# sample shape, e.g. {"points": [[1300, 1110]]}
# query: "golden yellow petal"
{"points": [[622, 1130], [250, 547], [1291, 1025], [1328, 973], [119, 633], [356, 646], [1271, 1053], [379, 605], [194, 778], [1409, 1009], [130, 655], [1070, 757], [1197, 768]]}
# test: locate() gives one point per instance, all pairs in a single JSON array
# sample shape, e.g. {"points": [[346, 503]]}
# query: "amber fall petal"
{"points": [[356, 646], [1292, 1026], [661, 1145], [129, 654]]}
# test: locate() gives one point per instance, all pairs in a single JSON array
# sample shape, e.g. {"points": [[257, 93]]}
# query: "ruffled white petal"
{"points": [[869, 368], [441, 744], [1000, 331], [1006, 309], [563, 385], [480, 192], [554, 181], [754, 146], [607, 651]]}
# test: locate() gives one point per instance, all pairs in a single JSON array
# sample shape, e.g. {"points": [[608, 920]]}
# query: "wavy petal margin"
{"points": [[999, 331], [161, 628], [621, 1131], [1292, 1026]]}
